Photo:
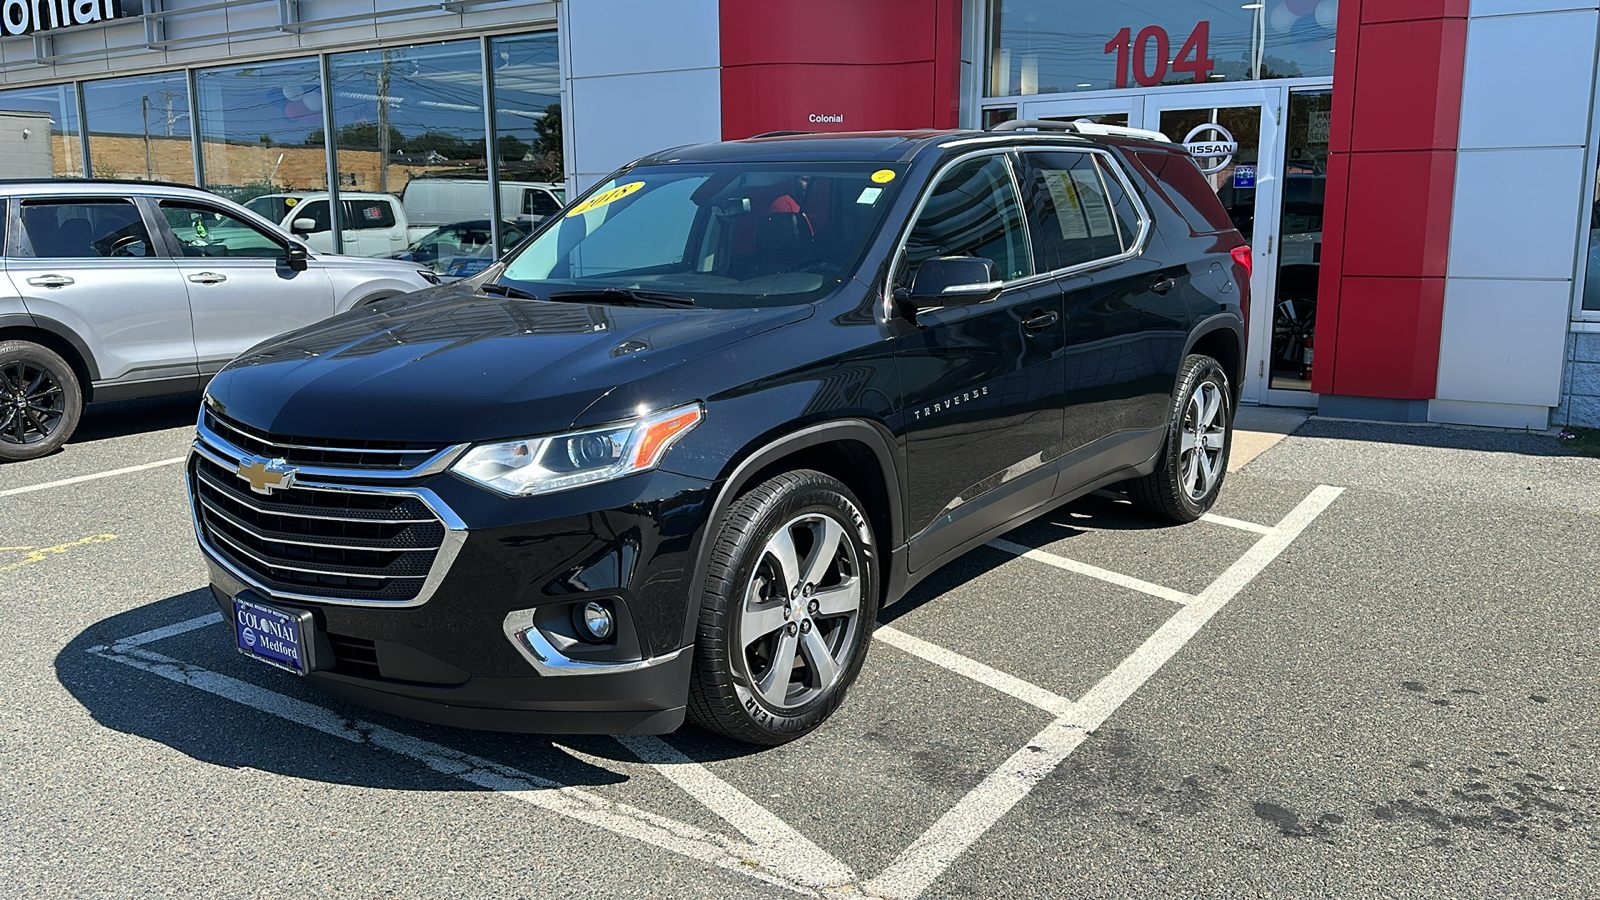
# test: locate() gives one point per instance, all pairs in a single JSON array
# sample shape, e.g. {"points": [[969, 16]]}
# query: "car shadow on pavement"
{"points": [[219, 731], [121, 418], [1488, 440]]}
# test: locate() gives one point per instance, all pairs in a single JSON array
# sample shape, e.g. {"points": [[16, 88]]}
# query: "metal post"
{"points": [[335, 214], [195, 147], [492, 148], [83, 127]]}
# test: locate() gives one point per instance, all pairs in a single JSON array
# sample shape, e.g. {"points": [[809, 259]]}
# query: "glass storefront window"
{"points": [[405, 113], [139, 128], [1047, 47], [261, 129], [527, 128], [47, 117], [1591, 278]]}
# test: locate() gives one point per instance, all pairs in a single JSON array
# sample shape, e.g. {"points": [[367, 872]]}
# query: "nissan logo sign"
{"points": [[1213, 155]]}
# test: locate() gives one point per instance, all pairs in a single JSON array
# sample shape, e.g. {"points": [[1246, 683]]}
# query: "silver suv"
{"points": [[117, 289]]}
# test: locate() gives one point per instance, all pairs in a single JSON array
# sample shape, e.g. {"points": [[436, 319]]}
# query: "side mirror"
{"points": [[301, 226], [954, 281], [296, 258]]}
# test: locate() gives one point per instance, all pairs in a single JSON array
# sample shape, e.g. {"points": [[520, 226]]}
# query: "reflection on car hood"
{"points": [[450, 365]]}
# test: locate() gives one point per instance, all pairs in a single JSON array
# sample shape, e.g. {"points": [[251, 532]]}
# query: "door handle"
{"points": [[208, 278], [50, 281], [1040, 320], [1164, 285]]}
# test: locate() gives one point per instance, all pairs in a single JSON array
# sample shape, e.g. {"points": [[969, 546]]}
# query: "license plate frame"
{"points": [[281, 638]]}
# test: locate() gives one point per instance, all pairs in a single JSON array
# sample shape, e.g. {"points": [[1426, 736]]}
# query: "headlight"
{"points": [[430, 276], [548, 464]]}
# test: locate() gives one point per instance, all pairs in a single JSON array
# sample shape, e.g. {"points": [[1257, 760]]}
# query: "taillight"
{"points": [[1241, 255]]}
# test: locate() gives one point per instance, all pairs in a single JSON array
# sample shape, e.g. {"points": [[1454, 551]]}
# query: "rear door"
{"points": [[981, 384], [91, 264], [240, 287], [1126, 320], [371, 227]]}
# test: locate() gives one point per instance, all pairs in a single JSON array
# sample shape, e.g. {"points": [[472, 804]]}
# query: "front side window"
{"points": [[85, 229], [972, 211], [539, 203], [207, 231], [1070, 200], [722, 234], [311, 218]]}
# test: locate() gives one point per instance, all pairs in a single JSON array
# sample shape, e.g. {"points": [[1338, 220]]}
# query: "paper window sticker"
{"points": [[1069, 211], [1096, 211], [869, 195]]}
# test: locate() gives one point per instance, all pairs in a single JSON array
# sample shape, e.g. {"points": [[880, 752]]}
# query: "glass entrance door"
{"points": [[1235, 137], [1125, 110]]}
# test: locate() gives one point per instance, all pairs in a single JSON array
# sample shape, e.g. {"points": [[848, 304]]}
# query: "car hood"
{"points": [[370, 265], [450, 365]]}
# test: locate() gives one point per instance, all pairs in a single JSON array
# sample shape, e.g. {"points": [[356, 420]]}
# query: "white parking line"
{"points": [[1072, 565], [930, 855], [1240, 524], [79, 479], [1030, 694], [575, 803], [775, 852]]}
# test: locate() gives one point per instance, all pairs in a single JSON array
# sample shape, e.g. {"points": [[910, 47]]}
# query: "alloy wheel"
{"points": [[800, 611], [32, 403], [1205, 437]]}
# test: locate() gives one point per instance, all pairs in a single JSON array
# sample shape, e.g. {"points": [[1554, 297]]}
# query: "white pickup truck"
{"points": [[373, 224]]}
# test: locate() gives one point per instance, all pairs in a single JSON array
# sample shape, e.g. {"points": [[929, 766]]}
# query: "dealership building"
{"points": [[1417, 177]]}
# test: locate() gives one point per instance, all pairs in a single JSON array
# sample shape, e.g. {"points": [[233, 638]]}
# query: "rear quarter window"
{"points": [[1183, 184]]}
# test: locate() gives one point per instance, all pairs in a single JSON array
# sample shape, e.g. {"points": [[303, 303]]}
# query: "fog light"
{"points": [[595, 622]]}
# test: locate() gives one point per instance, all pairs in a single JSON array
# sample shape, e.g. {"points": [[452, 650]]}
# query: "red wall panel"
{"points": [[1390, 189], [1398, 208], [885, 64], [1389, 337]]}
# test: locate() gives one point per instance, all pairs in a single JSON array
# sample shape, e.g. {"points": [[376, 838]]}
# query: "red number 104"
{"points": [[1132, 54]]}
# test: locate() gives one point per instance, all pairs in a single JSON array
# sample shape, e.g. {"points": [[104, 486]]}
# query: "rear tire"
{"points": [[1194, 460], [41, 401], [790, 601]]}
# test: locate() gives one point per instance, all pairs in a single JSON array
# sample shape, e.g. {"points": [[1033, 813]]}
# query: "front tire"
{"points": [[790, 601], [40, 401], [1194, 460]]}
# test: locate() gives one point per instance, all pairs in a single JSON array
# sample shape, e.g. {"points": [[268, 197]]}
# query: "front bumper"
{"points": [[452, 658]]}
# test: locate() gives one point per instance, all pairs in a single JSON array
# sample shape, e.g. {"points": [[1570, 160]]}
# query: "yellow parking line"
{"points": [[43, 553]]}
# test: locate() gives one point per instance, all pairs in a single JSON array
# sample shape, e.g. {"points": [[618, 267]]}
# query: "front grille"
{"points": [[338, 544], [321, 452]]}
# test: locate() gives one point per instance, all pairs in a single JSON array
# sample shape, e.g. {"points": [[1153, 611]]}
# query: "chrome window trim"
{"points": [[1137, 250], [433, 465], [544, 657], [455, 536]]}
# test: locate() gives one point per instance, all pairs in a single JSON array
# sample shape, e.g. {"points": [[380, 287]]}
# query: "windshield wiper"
{"points": [[505, 290], [624, 296]]}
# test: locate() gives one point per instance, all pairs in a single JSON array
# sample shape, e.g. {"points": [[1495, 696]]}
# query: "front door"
{"points": [[982, 384], [241, 289], [1127, 111], [1235, 136]]}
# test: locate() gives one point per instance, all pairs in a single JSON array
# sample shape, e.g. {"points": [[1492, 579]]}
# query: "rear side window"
{"points": [[1069, 199], [85, 229], [973, 211], [368, 214], [539, 203], [1183, 183]]}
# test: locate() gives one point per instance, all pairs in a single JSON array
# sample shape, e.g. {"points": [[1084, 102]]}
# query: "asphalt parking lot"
{"points": [[1372, 672]]}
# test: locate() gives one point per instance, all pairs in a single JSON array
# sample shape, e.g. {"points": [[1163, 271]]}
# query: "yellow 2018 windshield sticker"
{"points": [[604, 197], [883, 176]]}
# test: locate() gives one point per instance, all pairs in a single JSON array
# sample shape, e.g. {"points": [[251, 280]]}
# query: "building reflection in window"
{"points": [[527, 127], [261, 130], [44, 123], [139, 127]]}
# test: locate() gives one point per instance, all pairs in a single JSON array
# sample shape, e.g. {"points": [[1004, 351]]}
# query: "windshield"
{"points": [[273, 209], [725, 235]]}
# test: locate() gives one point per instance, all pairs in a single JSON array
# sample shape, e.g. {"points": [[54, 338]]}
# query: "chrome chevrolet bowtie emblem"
{"points": [[266, 475]]}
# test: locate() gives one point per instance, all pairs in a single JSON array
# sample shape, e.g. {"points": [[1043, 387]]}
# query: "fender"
{"points": [[823, 433], [28, 320], [1218, 322]]}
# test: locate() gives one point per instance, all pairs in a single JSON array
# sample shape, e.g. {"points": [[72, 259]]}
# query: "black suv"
{"points": [[674, 453]]}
